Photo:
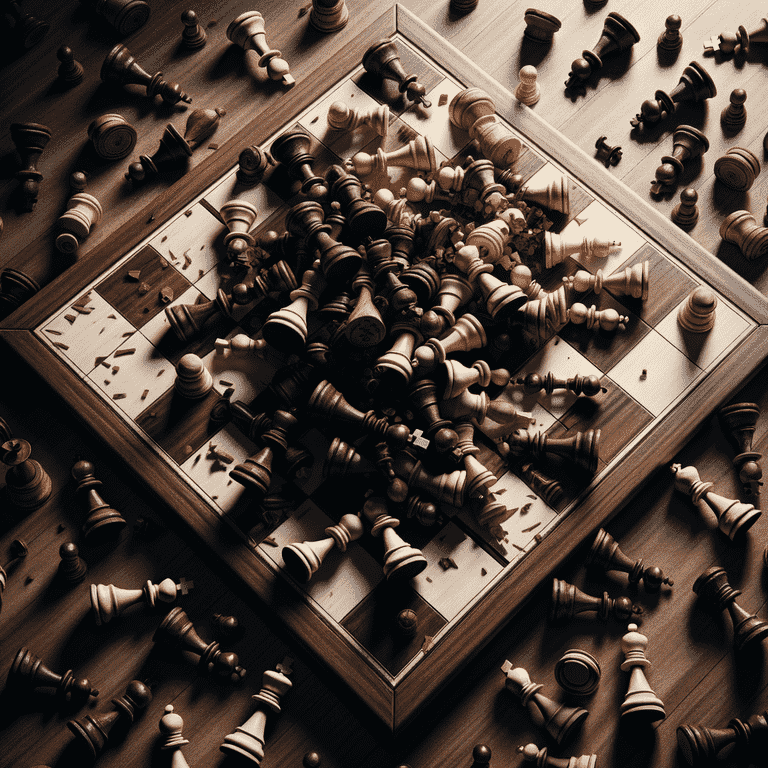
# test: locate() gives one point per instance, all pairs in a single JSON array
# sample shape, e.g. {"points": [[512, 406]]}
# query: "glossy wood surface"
{"points": [[694, 668]]}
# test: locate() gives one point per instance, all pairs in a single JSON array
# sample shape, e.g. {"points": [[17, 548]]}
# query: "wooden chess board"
{"points": [[102, 343]]}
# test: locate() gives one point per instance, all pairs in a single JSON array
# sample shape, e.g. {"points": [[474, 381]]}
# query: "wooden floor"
{"points": [[694, 668]]}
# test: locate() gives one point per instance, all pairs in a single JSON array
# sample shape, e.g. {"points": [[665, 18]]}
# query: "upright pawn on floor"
{"points": [[193, 379], [528, 90], [640, 702], [170, 726], [733, 117], [27, 484], [686, 213], [72, 568], [103, 523], [70, 71], [194, 36]]}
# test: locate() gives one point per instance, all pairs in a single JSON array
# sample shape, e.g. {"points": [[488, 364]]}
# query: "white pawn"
{"points": [[193, 379], [303, 558], [640, 701], [344, 118], [605, 319], [240, 344], [532, 754], [528, 91], [83, 213], [170, 726], [697, 315], [109, 601]]}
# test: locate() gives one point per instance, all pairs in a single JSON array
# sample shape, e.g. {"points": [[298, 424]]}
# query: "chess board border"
{"points": [[395, 700]]}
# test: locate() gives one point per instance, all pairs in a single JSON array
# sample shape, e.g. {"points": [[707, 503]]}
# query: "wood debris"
{"points": [[111, 317], [119, 396], [526, 507], [115, 369], [304, 10], [126, 351], [213, 146], [531, 528], [144, 394], [134, 274], [447, 562], [483, 572], [143, 289], [188, 212], [53, 331], [70, 318], [270, 541], [82, 310], [442, 100], [60, 345], [214, 452], [166, 294], [520, 549], [428, 644]]}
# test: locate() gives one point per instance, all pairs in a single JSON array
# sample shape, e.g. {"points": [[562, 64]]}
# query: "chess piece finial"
{"points": [[109, 601], [328, 15], [172, 154], [126, 16], [560, 721], [606, 554], [697, 314], [103, 523], [531, 753], [713, 586], [640, 702], [540, 26], [738, 168], [738, 420], [743, 740], [248, 739], [72, 568], [568, 600], [528, 91], [121, 68], [741, 229], [689, 143], [70, 71], [93, 731], [27, 484], [112, 136], [383, 60], [578, 672], [248, 31], [18, 551], [618, 35], [30, 139], [252, 165], [734, 518], [686, 213], [194, 36], [670, 40], [30, 672]]}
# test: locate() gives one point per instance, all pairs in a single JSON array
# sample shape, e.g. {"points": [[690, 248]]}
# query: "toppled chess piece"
{"points": [[738, 42], [83, 213], [738, 168], [742, 740], [30, 139], [28, 29], [109, 602], [606, 553], [688, 144], [741, 229], [568, 600], [540, 26], [172, 154], [578, 672], [342, 117], [248, 31], [606, 153], [738, 420], [113, 137], [383, 60], [126, 16], [328, 15], [533, 754]]}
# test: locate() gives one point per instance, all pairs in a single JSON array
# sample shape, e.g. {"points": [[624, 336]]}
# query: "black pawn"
{"points": [[193, 36], [70, 71], [670, 40], [733, 117], [103, 523], [227, 629], [686, 213], [481, 756], [72, 568]]}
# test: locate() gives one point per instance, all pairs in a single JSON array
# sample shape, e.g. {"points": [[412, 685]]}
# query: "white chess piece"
{"points": [[528, 90]]}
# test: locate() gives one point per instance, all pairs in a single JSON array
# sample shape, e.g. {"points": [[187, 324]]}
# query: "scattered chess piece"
{"points": [[734, 518], [695, 86], [558, 247], [606, 553], [741, 229], [240, 345], [341, 117], [606, 153], [568, 600], [126, 16], [550, 490], [248, 31], [193, 380], [252, 165], [578, 672], [28, 29], [329, 15], [194, 36], [528, 90], [15, 288], [311, 760], [227, 628], [670, 40], [383, 60], [113, 137], [239, 217], [686, 213], [741, 740], [177, 631], [738, 421], [121, 68], [407, 623], [170, 726], [83, 213], [108, 601], [737, 42], [293, 150], [401, 560], [463, 6], [738, 168], [631, 281], [582, 448], [733, 117], [201, 124], [102, 523], [531, 753], [72, 568], [532, 383], [418, 155], [70, 71], [188, 320], [697, 314], [93, 731], [561, 722], [18, 551], [29, 672], [481, 756], [618, 35], [172, 155], [302, 559], [713, 587], [640, 702], [688, 144], [540, 26], [27, 485], [248, 739], [363, 217], [30, 139], [466, 334]]}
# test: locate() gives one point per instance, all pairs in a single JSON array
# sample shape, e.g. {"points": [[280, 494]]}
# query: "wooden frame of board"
{"points": [[395, 699]]}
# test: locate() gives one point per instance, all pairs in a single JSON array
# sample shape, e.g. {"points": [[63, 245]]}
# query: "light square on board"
{"points": [[81, 335], [129, 376], [704, 348], [343, 579], [655, 372], [449, 589]]}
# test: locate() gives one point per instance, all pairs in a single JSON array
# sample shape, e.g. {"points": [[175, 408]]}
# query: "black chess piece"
{"points": [[30, 140], [28, 29], [188, 320], [292, 149], [103, 523], [688, 144], [362, 217], [125, 16], [70, 71], [700, 746], [172, 154], [383, 60], [18, 552], [738, 420], [568, 600], [582, 448], [606, 553], [72, 568], [15, 288], [29, 672]]}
